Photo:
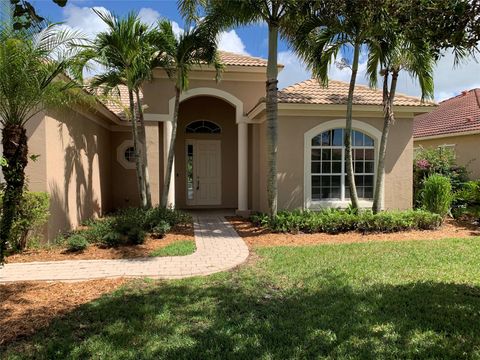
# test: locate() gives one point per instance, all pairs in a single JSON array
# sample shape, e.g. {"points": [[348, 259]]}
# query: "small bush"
{"points": [[32, 214], [436, 195], [436, 161], [334, 221], [466, 202], [161, 229], [113, 239], [77, 243], [96, 230]]}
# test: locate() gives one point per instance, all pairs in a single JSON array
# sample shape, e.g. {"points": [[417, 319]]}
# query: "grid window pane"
{"points": [[328, 165], [316, 154]]}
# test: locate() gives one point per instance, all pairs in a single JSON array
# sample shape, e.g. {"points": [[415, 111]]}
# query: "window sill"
{"points": [[322, 204]]}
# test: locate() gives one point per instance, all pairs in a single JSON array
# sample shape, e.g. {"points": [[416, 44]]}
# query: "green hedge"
{"points": [[32, 214], [334, 221]]}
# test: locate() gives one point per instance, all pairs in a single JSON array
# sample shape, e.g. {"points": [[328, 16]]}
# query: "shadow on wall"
{"points": [[75, 191]]}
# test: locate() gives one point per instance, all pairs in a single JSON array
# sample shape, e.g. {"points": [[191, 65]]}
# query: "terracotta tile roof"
{"points": [[118, 102], [229, 58], [311, 92], [458, 114]]}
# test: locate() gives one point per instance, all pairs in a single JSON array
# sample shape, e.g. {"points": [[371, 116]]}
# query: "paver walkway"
{"points": [[219, 248]]}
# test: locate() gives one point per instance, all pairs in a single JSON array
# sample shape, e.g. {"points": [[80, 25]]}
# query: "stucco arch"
{"points": [[201, 91]]}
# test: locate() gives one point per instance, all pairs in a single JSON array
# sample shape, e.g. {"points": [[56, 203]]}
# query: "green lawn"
{"points": [[177, 248], [390, 300]]}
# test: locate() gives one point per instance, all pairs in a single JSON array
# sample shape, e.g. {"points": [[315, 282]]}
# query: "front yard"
{"points": [[409, 299]]}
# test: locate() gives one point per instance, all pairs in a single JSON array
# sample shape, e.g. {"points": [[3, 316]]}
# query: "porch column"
{"points": [[167, 139], [242, 167]]}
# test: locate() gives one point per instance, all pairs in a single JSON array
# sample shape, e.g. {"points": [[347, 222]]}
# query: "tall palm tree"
{"points": [[32, 69], [125, 51], [389, 56], [274, 13], [323, 30], [196, 46]]}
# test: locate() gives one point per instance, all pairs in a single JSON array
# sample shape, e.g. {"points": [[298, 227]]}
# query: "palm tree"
{"points": [[225, 14], [389, 56], [32, 78], [196, 46], [323, 30], [125, 51]]}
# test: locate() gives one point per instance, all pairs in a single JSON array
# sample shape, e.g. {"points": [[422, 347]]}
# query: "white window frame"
{"points": [[361, 126]]}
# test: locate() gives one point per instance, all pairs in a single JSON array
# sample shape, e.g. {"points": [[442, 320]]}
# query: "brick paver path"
{"points": [[219, 248]]}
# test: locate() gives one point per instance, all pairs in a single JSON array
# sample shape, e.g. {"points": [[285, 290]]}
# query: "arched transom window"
{"points": [[328, 171], [203, 127]]}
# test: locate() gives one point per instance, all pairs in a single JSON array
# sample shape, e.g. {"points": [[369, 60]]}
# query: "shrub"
{"points": [[157, 215], [161, 229], [32, 214], [76, 243], [113, 239], [436, 195], [334, 221], [437, 161], [96, 230], [466, 200]]}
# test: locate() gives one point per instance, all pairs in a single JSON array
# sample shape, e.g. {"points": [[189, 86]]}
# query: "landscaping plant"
{"points": [[76, 243], [334, 221], [436, 195], [32, 213]]}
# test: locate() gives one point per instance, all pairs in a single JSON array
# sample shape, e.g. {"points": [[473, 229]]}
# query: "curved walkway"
{"points": [[219, 248]]}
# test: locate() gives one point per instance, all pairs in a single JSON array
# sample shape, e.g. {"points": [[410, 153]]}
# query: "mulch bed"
{"points": [[29, 306], [255, 236], [95, 252]]}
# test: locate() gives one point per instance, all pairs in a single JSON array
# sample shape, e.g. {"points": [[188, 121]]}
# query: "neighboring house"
{"points": [[455, 124], [86, 159]]}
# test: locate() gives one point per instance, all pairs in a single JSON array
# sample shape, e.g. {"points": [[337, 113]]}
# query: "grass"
{"points": [[389, 300], [177, 248]]}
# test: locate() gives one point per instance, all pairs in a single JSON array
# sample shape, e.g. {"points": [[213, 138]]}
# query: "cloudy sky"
{"points": [[252, 40]]}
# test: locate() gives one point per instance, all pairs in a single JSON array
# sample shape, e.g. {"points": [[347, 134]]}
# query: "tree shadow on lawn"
{"points": [[202, 319]]}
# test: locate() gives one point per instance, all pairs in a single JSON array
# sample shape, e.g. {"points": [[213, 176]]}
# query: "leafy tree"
{"points": [[323, 29], [32, 78], [125, 50], [196, 46], [25, 15], [275, 14]]}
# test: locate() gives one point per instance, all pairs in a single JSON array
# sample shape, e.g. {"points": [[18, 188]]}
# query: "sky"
{"points": [[253, 40]]}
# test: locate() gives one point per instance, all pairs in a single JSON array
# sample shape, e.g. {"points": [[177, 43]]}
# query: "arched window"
{"points": [[328, 171], [203, 127]]}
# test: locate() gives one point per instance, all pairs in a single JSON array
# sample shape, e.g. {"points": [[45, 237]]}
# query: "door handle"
{"points": [[198, 183]]}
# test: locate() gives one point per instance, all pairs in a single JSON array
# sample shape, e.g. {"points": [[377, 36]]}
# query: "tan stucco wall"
{"points": [[36, 171], [467, 150], [158, 92], [223, 114], [291, 130], [77, 153]]}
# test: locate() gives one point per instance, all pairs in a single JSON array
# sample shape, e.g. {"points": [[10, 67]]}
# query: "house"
{"points": [[86, 157], [455, 124]]}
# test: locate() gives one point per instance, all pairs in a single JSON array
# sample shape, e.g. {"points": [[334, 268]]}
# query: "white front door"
{"points": [[204, 172]]}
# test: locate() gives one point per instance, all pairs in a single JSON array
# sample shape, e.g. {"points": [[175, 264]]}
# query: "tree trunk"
{"points": [[143, 141], [15, 152], [388, 120], [348, 130], [136, 148], [272, 123], [171, 151]]}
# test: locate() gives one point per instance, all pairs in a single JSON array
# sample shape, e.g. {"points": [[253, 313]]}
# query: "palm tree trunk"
{"points": [[388, 120], [348, 130], [272, 122], [171, 150], [136, 147], [143, 141], [15, 152]]}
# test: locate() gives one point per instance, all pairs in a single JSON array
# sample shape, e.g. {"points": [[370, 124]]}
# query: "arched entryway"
{"points": [[206, 154]]}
